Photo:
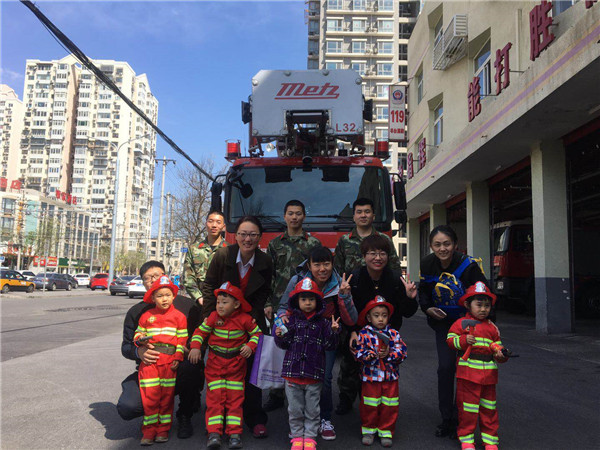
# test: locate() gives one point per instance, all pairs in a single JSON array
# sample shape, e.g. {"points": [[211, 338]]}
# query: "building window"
{"points": [[360, 67], [382, 113], [381, 133], [384, 69], [313, 27], [402, 73], [438, 124], [335, 4], [334, 24], [482, 68], [419, 78], [334, 47], [313, 48], [359, 25], [382, 91], [386, 5], [332, 65], [386, 48], [403, 51], [560, 6], [358, 46], [312, 65], [438, 31], [408, 9], [386, 26], [359, 5]]}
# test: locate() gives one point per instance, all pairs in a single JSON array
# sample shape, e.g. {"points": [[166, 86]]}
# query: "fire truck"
{"points": [[314, 121]]}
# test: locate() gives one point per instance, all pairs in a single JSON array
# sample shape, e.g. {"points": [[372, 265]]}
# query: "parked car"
{"points": [[136, 288], [27, 274], [52, 281], [72, 280], [120, 285], [11, 280], [83, 279], [99, 281]]}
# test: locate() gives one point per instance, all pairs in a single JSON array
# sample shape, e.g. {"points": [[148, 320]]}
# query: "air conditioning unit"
{"points": [[375, 50]]}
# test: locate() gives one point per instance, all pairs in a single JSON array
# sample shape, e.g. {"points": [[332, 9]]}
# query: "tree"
{"points": [[192, 202]]}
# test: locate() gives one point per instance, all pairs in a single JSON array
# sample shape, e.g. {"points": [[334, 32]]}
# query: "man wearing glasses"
{"points": [[189, 376]]}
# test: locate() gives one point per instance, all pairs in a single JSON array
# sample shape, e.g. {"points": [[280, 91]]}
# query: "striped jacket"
{"points": [[374, 368], [480, 368], [167, 328], [227, 334]]}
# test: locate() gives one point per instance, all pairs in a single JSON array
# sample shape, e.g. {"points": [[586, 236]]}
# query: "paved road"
{"points": [[61, 369]]}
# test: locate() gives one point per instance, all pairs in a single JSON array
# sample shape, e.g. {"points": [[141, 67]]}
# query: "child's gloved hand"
{"points": [[194, 355], [471, 339], [384, 352], [174, 365], [246, 352]]}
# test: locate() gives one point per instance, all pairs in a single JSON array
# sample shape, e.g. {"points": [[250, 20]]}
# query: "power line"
{"points": [[75, 51]]}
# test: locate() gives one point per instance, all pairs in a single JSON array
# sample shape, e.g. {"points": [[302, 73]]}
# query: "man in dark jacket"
{"points": [[189, 376]]}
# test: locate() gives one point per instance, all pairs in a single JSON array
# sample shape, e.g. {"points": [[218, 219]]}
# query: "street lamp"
{"points": [[111, 269]]}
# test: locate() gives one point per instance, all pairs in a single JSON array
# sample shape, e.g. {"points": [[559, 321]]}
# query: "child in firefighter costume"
{"points": [[380, 349], [167, 329], [232, 338], [477, 340]]}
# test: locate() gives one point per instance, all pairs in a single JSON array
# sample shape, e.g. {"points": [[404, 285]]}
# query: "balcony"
{"points": [[452, 44]]}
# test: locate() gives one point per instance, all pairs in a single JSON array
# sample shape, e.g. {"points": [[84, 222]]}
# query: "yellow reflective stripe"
{"points": [[489, 404], [167, 382], [456, 342], [182, 333], [179, 348], [149, 382], [255, 330], [150, 419], [221, 333], [233, 420], [498, 342], [365, 430], [215, 420], [479, 365], [489, 439], [198, 338], [384, 433], [225, 349], [469, 438], [205, 328], [253, 339], [470, 407], [390, 401], [140, 329], [236, 334], [371, 401], [234, 385], [217, 384], [452, 335], [165, 418]]}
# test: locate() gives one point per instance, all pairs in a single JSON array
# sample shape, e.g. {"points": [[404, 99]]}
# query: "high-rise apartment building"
{"points": [[11, 122], [370, 37], [75, 129]]}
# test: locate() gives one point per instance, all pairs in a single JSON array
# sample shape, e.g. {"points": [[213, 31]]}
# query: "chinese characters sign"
{"points": [[66, 197], [539, 29], [397, 110], [474, 98], [502, 65], [410, 170], [422, 153]]}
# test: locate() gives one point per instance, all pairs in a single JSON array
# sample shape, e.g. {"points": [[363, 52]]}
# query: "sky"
{"points": [[199, 57]]}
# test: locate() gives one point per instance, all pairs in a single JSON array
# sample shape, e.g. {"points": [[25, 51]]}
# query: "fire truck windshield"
{"points": [[327, 192]]}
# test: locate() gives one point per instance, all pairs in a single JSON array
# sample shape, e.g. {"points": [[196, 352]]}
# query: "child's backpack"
{"points": [[449, 289]]}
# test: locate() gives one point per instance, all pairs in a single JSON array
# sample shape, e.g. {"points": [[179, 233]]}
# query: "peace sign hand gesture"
{"points": [[410, 286], [345, 285], [335, 324]]}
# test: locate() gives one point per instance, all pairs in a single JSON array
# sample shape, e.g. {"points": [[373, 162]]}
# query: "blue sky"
{"points": [[199, 57]]}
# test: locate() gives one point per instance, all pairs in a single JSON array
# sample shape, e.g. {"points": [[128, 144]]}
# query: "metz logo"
{"points": [[300, 91]]}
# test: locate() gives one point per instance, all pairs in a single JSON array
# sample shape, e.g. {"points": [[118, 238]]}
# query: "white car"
{"points": [[83, 279], [27, 274], [136, 288]]}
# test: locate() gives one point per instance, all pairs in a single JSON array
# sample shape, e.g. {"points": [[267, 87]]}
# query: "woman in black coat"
{"points": [[247, 267], [445, 258], [374, 278]]}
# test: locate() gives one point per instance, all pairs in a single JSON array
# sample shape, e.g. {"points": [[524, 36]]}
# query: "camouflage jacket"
{"points": [[287, 253], [348, 256], [197, 260]]}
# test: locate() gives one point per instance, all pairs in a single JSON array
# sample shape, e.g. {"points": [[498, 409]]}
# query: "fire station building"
{"points": [[504, 146]]}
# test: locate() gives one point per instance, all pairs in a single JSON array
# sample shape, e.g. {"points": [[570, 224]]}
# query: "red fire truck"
{"points": [[314, 120]]}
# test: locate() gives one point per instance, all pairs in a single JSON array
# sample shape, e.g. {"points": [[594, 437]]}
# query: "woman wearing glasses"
{"points": [[374, 278], [250, 269]]}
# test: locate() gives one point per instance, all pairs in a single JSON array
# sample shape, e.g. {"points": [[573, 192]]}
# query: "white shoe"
{"points": [[326, 430]]}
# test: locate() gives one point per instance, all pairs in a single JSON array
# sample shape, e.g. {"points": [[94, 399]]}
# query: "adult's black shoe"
{"points": [[185, 429], [344, 406], [273, 403], [446, 428]]}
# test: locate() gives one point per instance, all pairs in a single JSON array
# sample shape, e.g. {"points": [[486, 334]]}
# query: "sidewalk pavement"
{"points": [[78, 292]]}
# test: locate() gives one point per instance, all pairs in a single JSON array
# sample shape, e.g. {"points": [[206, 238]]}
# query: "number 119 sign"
{"points": [[397, 110]]}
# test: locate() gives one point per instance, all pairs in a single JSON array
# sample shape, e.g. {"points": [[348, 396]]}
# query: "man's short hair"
{"points": [[215, 211], [362, 201], [149, 265], [375, 242], [294, 203]]}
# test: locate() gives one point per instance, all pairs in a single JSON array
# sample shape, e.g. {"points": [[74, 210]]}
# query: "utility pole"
{"points": [[164, 162], [20, 220]]}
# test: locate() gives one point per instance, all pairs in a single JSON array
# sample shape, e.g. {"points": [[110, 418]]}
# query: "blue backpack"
{"points": [[449, 289]]}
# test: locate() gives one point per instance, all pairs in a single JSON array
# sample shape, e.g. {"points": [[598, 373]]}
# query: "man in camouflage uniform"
{"points": [[196, 264], [347, 258], [287, 252], [347, 251]]}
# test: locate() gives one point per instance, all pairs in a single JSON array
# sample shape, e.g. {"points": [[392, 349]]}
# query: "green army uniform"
{"points": [[287, 252], [348, 256], [197, 261]]}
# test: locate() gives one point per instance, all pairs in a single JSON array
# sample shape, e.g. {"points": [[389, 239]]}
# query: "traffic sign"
{"points": [[184, 249], [2, 259]]}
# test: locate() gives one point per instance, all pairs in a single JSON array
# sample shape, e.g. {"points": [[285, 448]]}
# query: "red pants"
{"points": [[157, 387], [224, 393], [476, 400], [379, 407]]}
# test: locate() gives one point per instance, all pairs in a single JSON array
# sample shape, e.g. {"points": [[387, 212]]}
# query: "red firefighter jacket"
{"points": [[230, 335], [167, 328], [480, 368]]}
